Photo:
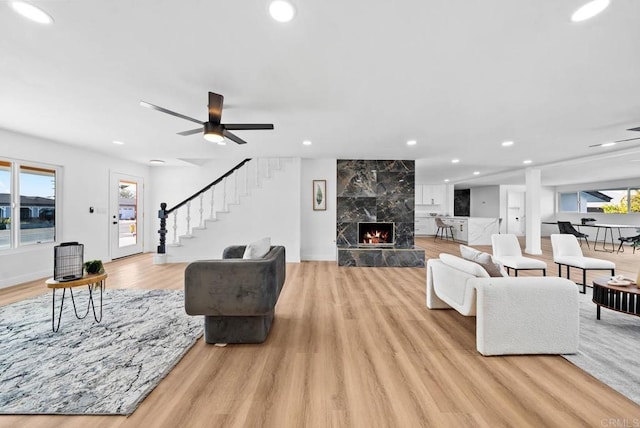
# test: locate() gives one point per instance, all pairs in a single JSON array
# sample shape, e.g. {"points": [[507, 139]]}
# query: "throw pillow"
{"points": [[485, 260], [258, 249]]}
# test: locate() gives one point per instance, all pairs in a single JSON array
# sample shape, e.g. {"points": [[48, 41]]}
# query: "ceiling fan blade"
{"points": [[190, 132], [634, 129], [172, 113], [628, 139], [233, 137], [215, 107], [246, 126]]}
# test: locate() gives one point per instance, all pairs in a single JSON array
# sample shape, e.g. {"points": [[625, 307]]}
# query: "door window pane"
{"points": [[128, 213], [37, 205], [5, 205]]}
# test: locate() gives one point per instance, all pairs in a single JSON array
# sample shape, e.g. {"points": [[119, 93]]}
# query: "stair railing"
{"points": [[163, 213]]}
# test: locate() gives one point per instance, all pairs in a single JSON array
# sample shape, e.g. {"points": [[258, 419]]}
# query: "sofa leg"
{"points": [[584, 281], [237, 329], [544, 272]]}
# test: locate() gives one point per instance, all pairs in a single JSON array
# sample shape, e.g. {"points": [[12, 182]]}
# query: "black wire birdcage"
{"points": [[68, 260]]}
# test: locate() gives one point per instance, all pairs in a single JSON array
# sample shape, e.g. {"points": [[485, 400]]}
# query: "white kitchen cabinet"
{"points": [[425, 226], [460, 230], [433, 194], [418, 196]]}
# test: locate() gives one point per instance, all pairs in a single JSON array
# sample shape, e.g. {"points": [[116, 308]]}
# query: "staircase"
{"points": [[239, 207]]}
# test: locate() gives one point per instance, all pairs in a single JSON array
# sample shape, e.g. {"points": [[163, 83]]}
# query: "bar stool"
{"points": [[443, 229]]}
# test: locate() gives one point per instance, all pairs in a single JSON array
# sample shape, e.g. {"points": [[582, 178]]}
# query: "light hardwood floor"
{"points": [[356, 347]]}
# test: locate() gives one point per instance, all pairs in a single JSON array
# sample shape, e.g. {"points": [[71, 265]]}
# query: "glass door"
{"points": [[126, 215]]}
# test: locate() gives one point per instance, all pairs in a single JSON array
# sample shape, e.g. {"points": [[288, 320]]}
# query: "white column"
{"points": [[532, 211]]}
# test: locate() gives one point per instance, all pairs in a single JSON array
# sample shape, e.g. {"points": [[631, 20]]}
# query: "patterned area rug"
{"points": [[609, 348], [86, 367]]}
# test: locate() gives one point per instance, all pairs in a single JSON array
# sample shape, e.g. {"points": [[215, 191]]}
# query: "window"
{"points": [[27, 204], [608, 201], [5, 205], [37, 205]]}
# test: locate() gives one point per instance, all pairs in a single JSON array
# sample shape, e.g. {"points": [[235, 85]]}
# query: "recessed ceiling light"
{"points": [[507, 143], [412, 143], [281, 11], [455, 160], [32, 12], [156, 161], [307, 143], [526, 162], [118, 143], [609, 144], [446, 180], [476, 172], [589, 10]]}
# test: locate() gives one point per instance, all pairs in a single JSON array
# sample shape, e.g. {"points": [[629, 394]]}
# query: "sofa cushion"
{"points": [[463, 265], [493, 268], [258, 249]]}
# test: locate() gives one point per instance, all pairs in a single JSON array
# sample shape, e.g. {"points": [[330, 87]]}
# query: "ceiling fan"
{"points": [[613, 143], [213, 130]]}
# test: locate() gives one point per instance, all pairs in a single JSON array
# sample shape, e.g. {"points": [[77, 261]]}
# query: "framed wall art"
{"points": [[319, 195]]}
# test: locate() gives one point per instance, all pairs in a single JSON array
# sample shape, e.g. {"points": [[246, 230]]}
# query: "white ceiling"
{"points": [[358, 78]]}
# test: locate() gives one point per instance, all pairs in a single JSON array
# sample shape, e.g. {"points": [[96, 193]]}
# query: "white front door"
{"points": [[126, 215]]}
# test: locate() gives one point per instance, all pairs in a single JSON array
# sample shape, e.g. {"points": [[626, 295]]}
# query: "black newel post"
{"points": [[163, 228]]}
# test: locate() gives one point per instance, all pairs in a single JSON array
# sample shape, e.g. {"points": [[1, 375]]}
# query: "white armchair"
{"points": [[506, 250], [567, 252]]}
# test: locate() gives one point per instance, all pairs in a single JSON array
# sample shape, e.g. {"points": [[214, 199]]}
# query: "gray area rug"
{"points": [[609, 348], [90, 368]]}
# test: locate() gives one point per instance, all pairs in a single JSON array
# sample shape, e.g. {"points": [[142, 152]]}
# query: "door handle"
{"points": [[115, 222]]}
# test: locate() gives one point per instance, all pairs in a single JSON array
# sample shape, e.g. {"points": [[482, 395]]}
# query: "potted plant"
{"points": [[94, 267]]}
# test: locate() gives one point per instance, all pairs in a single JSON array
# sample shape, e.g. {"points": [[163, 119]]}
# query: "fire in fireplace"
{"points": [[376, 234]]}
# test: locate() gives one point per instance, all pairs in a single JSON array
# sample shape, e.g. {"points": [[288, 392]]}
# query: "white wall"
{"points": [[485, 201], [318, 236], [84, 182]]}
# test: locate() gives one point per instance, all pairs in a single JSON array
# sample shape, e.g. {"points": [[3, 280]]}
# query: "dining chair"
{"points": [[565, 227], [567, 252], [506, 250], [634, 241]]}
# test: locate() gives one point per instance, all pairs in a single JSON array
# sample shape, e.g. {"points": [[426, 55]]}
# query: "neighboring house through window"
{"points": [[27, 204]]}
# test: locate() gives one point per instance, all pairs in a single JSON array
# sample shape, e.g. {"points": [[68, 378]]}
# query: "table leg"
{"points": [[74, 304], [604, 240], [53, 310], [93, 305], [598, 312]]}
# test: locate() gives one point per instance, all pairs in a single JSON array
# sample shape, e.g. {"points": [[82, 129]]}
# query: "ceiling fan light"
{"points": [[214, 138], [213, 133], [589, 10]]}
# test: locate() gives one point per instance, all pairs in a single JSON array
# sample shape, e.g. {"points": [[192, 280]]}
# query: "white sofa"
{"points": [[525, 315]]}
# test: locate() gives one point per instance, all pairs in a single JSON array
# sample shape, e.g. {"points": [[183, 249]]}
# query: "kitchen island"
{"points": [[473, 230]]}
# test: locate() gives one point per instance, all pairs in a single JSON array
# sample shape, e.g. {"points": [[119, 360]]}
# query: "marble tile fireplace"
{"points": [[377, 195]]}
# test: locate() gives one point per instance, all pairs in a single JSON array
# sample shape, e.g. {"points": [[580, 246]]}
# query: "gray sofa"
{"points": [[236, 296]]}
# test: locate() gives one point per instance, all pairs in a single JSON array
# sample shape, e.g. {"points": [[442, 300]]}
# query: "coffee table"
{"points": [[617, 298], [92, 282]]}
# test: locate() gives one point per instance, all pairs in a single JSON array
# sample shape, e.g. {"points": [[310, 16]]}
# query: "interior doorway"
{"points": [[515, 213], [126, 215]]}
